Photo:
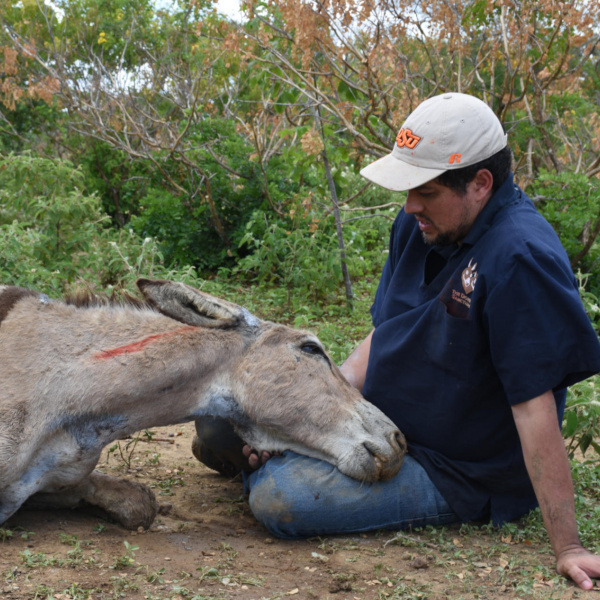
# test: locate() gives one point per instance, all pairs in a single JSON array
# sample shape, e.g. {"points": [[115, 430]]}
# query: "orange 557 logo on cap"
{"points": [[407, 139]]}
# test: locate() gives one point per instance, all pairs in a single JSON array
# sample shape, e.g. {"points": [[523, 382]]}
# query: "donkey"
{"points": [[75, 378]]}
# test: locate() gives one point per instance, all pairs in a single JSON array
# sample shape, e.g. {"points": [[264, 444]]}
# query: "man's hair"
{"points": [[498, 165]]}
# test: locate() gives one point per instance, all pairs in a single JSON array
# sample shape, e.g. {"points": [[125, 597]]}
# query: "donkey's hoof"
{"points": [[134, 506]]}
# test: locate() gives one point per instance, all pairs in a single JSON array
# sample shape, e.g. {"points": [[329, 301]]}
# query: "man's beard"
{"points": [[448, 238]]}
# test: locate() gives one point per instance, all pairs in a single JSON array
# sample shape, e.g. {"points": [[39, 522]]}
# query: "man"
{"points": [[478, 331]]}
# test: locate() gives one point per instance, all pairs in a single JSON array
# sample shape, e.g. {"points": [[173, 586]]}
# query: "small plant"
{"points": [[165, 485], [123, 584], [127, 450], [25, 535], [39, 559], [156, 576], [67, 539], [76, 592], [43, 591], [127, 559], [155, 459], [100, 528], [5, 534], [234, 505], [207, 573]]}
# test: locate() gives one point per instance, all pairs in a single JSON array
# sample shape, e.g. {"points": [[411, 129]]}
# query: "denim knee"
{"points": [[274, 508], [289, 495]]}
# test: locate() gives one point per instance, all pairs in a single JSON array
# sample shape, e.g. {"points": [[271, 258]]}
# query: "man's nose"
{"points": [[413, 205]]}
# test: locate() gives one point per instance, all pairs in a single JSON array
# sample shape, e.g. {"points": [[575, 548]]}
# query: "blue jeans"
{"points": [[295, 496]]}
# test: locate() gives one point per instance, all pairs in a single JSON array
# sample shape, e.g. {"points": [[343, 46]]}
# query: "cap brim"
{"points": [[396, 175]]}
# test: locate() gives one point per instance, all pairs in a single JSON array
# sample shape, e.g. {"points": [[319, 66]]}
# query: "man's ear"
{"points": [[482, 184]]}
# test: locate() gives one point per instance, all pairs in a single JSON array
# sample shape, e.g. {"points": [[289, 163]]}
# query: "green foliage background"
{"points": [[217, 177]]}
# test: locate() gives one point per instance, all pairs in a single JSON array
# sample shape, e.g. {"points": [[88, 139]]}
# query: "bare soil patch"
{"points": [[208, 546]]}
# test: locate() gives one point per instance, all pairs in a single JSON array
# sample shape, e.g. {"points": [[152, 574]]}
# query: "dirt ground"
{"points": [[208, 546]]}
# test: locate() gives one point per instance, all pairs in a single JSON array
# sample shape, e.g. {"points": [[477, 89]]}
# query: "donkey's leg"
{"points": [[8, 507], [130, 503]]}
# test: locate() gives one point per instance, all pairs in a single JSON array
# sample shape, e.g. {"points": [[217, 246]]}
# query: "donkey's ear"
{"points": [[190, 306]]}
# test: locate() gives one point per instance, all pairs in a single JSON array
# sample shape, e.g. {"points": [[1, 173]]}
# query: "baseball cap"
{"points": [[449, 131]]}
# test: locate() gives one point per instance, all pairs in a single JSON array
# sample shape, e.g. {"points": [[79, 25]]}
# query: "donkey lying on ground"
{"points": [[73, 379]]}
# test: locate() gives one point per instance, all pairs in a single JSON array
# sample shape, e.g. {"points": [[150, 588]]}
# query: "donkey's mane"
{"points": [[82, 298]]}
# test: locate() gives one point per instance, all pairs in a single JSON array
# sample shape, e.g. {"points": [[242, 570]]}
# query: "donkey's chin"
{"points": [[364, 461], [365, 465]]}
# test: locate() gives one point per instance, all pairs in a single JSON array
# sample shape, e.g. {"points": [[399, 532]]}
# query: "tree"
{"points": [[223, 119], [364, 66]]}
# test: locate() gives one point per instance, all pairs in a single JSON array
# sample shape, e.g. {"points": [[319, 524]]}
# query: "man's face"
{"points": [[444, 216]]}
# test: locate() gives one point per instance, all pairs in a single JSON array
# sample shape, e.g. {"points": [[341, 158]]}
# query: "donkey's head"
{"points": [[284, 392]]}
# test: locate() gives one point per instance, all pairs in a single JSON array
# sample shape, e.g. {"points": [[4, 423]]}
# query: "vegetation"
{"points": [[172, 142]]}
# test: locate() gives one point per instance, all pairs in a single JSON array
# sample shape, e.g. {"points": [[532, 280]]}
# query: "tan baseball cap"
{"points": [[449, 131]]}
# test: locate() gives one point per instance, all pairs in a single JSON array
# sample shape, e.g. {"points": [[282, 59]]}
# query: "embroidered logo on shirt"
{"points": [[469, 277], [456, 293], [406, 138]]}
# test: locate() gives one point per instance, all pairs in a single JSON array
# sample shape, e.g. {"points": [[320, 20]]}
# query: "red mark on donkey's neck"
{"points": [[138, 346]]}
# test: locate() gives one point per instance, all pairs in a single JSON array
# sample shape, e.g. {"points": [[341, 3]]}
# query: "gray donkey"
{"points": [[75, 378]]}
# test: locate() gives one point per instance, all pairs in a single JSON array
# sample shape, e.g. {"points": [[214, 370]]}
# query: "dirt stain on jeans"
{"points": [[268, 500]]}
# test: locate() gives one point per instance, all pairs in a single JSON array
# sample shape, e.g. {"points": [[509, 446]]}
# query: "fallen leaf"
{"points": [[293, 592], [320, 557]]}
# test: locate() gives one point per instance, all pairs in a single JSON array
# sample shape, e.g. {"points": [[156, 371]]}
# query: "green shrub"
{"points": [[52, 236], [298, 256], [571, 203]]}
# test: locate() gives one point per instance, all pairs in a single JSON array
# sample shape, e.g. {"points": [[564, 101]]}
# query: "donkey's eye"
{"points": [[311, 348]]}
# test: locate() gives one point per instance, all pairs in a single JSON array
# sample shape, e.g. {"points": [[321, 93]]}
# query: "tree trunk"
{"points": [[336, 213]]}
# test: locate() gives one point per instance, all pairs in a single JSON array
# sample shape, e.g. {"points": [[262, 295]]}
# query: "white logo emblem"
{"points": [[469, 277]]}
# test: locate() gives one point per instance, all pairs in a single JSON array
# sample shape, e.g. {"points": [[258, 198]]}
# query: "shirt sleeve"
{"points": [[540, 335]]}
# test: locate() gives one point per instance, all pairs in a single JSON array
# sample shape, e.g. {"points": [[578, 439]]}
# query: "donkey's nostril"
{"points": [[398, 438]]}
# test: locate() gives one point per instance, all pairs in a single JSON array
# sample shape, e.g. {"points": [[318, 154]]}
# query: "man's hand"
{"points": [[580, 565], [254, 460]]}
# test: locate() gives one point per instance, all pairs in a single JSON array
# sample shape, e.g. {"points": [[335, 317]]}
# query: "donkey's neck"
{"points": [[171, 377], [146, 368]]}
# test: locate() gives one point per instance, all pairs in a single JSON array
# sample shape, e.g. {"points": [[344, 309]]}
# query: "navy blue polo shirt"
{"points": [[462, 333]]}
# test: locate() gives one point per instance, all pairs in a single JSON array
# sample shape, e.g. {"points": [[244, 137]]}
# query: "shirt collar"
{"points": [[508, 193]]}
